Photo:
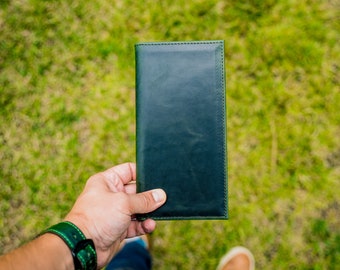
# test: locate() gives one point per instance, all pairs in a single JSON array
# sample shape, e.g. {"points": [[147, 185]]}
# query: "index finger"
{"points": [[126, 172]]}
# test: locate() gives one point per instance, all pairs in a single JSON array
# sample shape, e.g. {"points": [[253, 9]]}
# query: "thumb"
{"points": [[147, 201]]}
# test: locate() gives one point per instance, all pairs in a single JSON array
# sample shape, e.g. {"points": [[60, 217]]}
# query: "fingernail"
{"points": [[158, 195]]}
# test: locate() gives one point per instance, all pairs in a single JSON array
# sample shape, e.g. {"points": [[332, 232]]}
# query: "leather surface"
{"points": [[181, 127]]}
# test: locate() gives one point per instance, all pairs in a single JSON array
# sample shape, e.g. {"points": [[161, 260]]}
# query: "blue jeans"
{"points": [[132, 256]]}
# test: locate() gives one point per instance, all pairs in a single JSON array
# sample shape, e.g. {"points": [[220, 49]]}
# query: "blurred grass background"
{"points": [[67, 111]]}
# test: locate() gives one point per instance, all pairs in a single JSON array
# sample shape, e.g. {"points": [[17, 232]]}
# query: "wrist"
{"points": [[51, 243], [80, 222], [47, 251], [81, 248]]}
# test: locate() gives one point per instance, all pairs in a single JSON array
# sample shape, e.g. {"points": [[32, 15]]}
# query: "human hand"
{"points": [[105, 209]]}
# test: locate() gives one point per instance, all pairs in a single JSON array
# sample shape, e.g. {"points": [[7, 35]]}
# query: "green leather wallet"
{"points": [[181, 127]]}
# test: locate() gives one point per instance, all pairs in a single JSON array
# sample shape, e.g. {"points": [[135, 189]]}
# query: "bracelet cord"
{"points": [[83, 250]]}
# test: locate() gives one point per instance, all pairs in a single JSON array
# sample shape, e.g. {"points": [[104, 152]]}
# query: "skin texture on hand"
{"points": [[105, 209]]}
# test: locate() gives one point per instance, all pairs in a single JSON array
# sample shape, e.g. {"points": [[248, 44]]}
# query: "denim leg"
{"points": [[132, 256]]}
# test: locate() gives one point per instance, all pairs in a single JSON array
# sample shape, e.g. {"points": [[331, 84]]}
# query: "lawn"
{"points": [[67, 111]]}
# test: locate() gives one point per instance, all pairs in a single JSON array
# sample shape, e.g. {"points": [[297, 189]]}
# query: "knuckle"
{"points": [[146, 201], [143, 203]]}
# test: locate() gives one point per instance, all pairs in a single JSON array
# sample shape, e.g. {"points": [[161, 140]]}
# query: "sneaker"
{"points": [[238, 258], [142, 240]]}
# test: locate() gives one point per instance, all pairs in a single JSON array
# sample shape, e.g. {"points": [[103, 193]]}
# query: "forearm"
{"points": [[94, 228], [45, 252]]}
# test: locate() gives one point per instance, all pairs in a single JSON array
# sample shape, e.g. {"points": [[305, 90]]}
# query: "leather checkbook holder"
{"points": [[181, 127]]}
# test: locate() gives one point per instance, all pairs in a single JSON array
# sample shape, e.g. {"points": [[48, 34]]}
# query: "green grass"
{"points": [[67, 111]]}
